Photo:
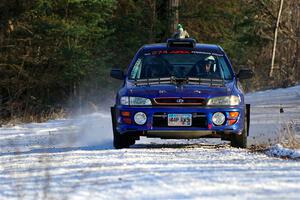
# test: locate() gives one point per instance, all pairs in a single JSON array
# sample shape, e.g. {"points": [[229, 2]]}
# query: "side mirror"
{"points": [[117, 74], [245, 74]]}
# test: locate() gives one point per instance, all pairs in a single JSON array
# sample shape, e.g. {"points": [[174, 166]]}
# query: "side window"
{"points": [[224, 69], [136, 70]]}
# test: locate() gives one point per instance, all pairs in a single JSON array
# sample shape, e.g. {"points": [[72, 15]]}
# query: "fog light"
{"points": [[140, 118], [218, 118]]}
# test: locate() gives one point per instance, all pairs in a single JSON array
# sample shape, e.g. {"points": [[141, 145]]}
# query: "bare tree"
{"points": [[275, 38]]}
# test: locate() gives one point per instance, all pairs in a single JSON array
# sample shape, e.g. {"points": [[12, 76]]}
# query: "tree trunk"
{"points": [[173, 15], [275, 38], [297, 54], [152, 5]]}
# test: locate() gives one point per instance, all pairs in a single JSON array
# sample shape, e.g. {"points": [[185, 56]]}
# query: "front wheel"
{"points": [[120, 141], [240, 141]]}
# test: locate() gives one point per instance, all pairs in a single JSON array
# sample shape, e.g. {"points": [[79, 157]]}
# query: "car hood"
{"points": [[185, 90]]}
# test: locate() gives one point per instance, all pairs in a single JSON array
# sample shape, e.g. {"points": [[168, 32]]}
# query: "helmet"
{"points": [[210, 60]]}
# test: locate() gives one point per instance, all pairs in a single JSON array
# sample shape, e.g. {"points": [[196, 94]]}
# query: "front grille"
{"points": [[199, 120], [175, 101]]}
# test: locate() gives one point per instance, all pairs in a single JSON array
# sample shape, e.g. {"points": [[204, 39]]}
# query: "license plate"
{"points": [[179, 119]]}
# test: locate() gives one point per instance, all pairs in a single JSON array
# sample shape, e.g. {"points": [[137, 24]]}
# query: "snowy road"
{"points": [[74, 159]]}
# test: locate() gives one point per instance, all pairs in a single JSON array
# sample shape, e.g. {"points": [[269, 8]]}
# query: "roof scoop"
{"points": [[187, 43]]}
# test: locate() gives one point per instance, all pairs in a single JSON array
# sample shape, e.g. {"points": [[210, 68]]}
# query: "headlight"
{"points": [[226, 101], [135, 101]]}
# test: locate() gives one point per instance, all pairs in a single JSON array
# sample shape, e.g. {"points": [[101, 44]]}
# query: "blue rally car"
{"points": [[180, 89]]}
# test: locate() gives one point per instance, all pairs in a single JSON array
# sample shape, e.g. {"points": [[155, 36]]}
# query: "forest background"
{"points": [[56, 55]]}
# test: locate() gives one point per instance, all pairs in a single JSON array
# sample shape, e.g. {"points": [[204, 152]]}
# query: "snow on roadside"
{"points": [[279, 151], [266, 120], [268, 126], [83, 131]]}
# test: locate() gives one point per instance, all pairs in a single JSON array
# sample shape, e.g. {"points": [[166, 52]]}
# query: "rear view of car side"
{"points": [[180, 89]]}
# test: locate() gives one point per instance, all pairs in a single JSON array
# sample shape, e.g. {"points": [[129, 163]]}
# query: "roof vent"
{"points": [[188, 43]]}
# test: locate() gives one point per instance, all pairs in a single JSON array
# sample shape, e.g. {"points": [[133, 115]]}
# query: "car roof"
{"points": [[209, 48]]}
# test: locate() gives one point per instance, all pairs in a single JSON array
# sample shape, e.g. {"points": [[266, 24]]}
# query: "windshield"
{"points": [[180, 64]]}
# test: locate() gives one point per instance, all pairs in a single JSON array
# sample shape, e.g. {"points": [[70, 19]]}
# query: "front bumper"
{"points": [[151, 128]]}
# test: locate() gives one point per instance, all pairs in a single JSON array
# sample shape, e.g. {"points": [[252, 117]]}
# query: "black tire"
{"points": [[240, 141], [120, 141], [226, 137]]}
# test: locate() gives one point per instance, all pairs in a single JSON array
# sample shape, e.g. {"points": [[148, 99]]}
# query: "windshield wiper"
{"points": [[152, 81], [180, 81], [165, 80], [206, 81]]}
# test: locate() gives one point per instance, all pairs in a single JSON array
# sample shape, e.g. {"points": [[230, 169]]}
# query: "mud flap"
{"points": [[113, 117], [247, 114]]}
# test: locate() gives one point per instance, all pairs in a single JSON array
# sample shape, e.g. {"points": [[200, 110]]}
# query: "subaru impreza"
{"points": [[180, 89]]}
